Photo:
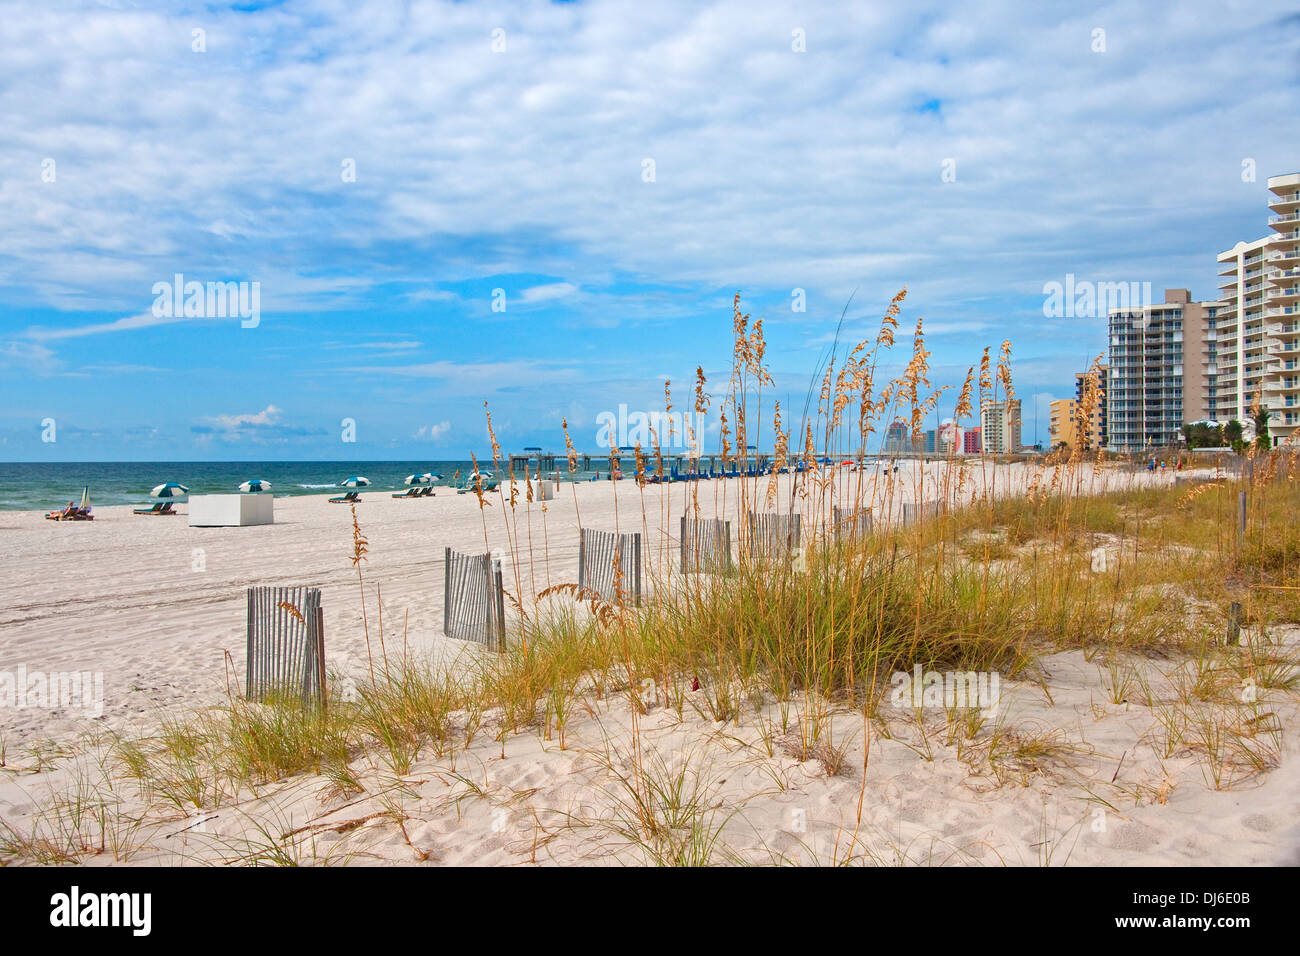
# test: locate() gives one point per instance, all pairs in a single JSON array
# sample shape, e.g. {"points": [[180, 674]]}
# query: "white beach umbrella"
{"points": [[356, 481], [255, 484], [418, 479], [169, 490]]}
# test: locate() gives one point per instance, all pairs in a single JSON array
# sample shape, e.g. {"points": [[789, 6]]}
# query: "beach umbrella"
{"points": [[255, 484], [432, 477], [356, 481], [418, 479], [169, 490]]}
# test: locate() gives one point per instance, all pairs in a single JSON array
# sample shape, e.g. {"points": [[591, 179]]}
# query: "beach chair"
{"points": [[412, 492], [348, 499], [161, 508], [72, 512], [426, 492]]}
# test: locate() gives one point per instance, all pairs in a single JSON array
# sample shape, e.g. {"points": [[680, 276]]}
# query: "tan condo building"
{"points": [[1062, 428]]}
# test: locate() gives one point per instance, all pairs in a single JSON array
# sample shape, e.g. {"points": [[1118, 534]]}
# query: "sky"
{"points": [[548, 207]]}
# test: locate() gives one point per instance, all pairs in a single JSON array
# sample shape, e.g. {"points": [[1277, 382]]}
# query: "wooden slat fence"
{"points": [[705, 545], [773, 535], [286, 644], [927, 509], [596, 550], [473, 603], [851, 522]]}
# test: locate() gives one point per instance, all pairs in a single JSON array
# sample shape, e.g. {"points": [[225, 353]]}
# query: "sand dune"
{"points": [[156, 607]]}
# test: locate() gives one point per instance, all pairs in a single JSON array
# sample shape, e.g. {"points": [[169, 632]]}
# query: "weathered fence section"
{"points": [[773, 535], [919, 512], [596, 566], [474, 602], [705, 545], [286, 644], [851, 522]]}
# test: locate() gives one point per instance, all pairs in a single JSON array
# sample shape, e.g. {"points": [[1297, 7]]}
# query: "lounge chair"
{"points": [[489, 483], [411, 492], [73, 512], [70, 513], [349, 498], [427, 492], [161, 508]]}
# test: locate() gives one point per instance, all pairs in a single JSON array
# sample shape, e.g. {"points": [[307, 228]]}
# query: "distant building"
{"points": [[1063, 425], [1257, 337], [897, 438], [931, 442], [970, 443], [949, 439], [1162, 370], [1094, 434], [1000, 427]]}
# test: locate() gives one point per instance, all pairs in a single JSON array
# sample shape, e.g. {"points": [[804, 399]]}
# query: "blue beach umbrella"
{"points": [[356, 481], [169, 490], [418, 479], [255, 484]]}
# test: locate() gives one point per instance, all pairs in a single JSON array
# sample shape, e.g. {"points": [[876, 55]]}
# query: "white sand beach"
{"points": [[158, 608]]}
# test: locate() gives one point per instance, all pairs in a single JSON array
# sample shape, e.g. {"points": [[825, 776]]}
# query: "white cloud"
{"points": [[546, 293], [130, 323], [267, 416], [29, 357], [475, 379], [434, 432], [773, 168]]}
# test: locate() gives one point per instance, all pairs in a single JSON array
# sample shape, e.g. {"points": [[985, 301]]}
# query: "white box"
{"points": [[543, 490], [231, 511]]}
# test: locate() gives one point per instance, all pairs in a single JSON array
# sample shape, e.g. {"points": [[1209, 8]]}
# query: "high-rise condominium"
{"points": [[1258, 328], [1162, 371], [1092, 434], [1000, 427]]}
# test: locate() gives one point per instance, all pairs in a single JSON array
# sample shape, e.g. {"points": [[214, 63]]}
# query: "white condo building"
{"points": [[1258, 326]]}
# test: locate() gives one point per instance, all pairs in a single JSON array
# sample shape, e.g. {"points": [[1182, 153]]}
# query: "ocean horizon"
{"points": [[27, 486], [33, 486]]}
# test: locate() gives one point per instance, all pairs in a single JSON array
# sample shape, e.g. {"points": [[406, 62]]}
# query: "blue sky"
{"points": [[523, 169]]}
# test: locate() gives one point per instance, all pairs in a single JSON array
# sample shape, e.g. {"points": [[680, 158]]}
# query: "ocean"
{"points": [[47, 486], [29, 486]]}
